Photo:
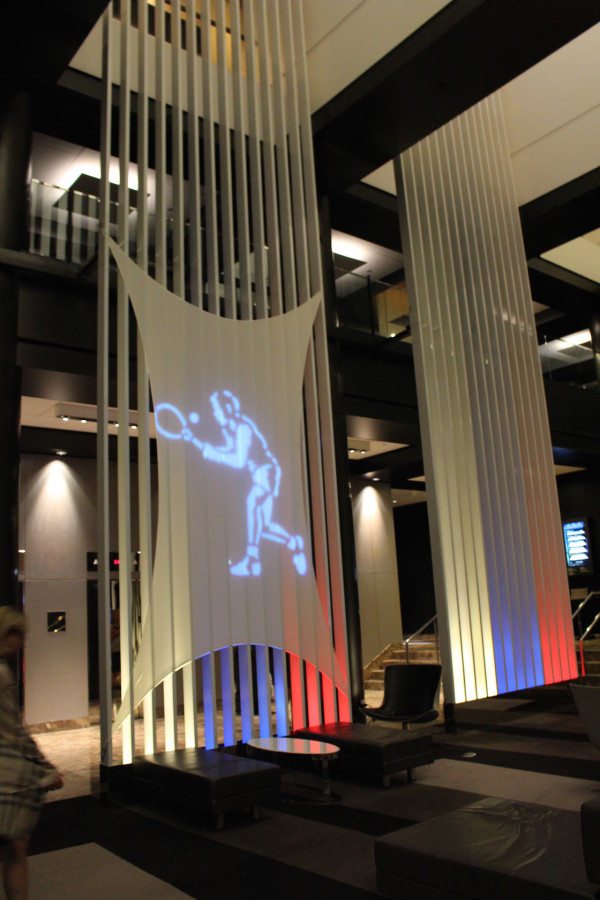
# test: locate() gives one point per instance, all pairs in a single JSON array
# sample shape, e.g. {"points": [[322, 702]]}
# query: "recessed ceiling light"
{"points": [[376, 479], [83, 421], [61, 452], [65, 418]]}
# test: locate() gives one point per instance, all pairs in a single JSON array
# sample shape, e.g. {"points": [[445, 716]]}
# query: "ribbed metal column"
{"points": [[501, 582]]}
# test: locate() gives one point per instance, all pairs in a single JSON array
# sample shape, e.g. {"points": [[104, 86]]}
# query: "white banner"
{"points": [[233, 558]]}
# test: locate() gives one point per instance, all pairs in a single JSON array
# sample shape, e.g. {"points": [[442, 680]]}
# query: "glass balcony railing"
{"points": [[63, 224], [570, 360], [373, 307]]}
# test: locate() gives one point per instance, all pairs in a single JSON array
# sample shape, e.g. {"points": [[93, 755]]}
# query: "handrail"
{"points": [[419, 631], [583, 602], [590, 627], [588, 630]]}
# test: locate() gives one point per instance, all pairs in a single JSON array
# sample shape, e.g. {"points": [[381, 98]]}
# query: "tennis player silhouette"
{"points": [[244, 447]]}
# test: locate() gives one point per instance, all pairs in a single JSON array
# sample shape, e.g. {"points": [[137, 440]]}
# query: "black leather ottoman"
{"points": [[490, 850], [210, 781], [375, 749]]}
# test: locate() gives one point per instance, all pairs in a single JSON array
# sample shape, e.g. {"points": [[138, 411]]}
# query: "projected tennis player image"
{"points": [[244, 448]]}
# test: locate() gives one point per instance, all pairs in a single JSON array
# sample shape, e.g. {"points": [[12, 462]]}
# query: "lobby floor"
{"points": [[527, 749]]}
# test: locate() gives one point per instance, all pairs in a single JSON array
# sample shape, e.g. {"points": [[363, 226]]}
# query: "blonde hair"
{"points": [[11, 619]]}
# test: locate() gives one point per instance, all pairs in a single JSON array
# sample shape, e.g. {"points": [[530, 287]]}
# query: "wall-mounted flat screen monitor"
{"points": [[578, 549]]}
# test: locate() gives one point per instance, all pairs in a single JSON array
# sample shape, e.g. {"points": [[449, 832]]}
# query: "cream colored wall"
{"points": [[57, 527], [376, 567]]}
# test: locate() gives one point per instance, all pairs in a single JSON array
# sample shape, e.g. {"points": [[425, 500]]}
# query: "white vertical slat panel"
{"points": [[62, 216], [281, 692], [263, 690], [546, 534], [46, 221], [451, 386], [320, 411], [161, 275], [255, 165], [269, 167], [33, 212], [193, 131], [312, 216], [499, 463], [160, 146], [273, 43], [295, 152], [123, 462], [143, 393], [178, 253], [212, 279], [188, 673], [102, 493], [210, 175], [76, 227], [225, 179], [479, 396], [453, 203], [240, 130], [210, 701], [91, 211], [246, 691], [281, 274]]}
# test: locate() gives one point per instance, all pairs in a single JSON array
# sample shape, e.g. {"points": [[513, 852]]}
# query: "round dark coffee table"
{"points": [[290, 748]]}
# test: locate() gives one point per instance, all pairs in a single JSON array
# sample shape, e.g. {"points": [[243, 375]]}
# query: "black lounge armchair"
{"points": [[410, 695]]}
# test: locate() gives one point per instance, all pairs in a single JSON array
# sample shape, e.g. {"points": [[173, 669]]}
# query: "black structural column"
{"points": [[595, 333], [341, 459], [15, 152]]}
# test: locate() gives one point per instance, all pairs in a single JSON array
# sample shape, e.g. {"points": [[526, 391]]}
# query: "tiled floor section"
{"points": [[76, 752], [91, 872]]}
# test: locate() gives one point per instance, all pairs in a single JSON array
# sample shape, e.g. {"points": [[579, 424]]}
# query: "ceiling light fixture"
{"points": [[61, 452]]}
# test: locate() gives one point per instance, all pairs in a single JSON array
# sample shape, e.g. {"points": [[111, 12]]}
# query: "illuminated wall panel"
{"points": [[501, 584]]}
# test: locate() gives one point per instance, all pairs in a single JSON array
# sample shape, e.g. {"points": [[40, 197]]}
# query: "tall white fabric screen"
{"points": [[233, 561], [501, 583], [217, 204]]}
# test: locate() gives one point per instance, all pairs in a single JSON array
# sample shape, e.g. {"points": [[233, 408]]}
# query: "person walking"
{"points": [[25, 773]]}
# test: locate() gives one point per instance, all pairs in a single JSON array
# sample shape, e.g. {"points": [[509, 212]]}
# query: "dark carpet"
{"points": [[573, 767], [356, 819], [193, 863]]}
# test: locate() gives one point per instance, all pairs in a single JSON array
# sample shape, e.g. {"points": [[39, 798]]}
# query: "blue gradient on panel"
{"points": [[264, 699], [281, 703], [227, 698], [210, 736], [245, 679], [246, 449]]}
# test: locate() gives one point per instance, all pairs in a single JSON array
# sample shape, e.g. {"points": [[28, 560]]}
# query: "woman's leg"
{"points": [[14, 858]]}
